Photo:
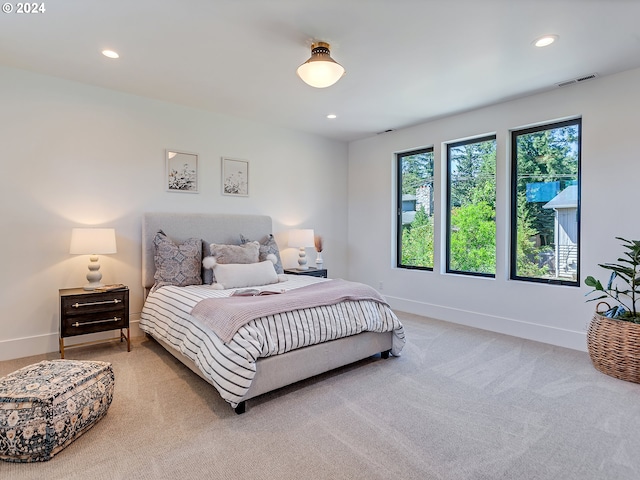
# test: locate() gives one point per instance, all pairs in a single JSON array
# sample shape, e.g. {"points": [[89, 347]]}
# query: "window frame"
{"points": [[513, 227], [462, 143], [399, 224]]}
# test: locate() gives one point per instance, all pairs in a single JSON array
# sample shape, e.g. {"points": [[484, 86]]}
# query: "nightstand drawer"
{"points": [[93, 322], [91, 303]]}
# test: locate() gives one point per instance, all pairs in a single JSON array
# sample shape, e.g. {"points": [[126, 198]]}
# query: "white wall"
{"points": [[558, 315], [74, 155]]}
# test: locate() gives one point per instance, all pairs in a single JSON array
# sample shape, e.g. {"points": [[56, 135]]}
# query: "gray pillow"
{"points": [[245, 253], [177, 264], [267, 246], [208, 275]]}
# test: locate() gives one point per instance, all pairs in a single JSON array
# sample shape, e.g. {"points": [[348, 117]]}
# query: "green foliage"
{"points": [[627, 273], [473, 173], [417, 170], [417, 241], [485, 190], [543, 156], [546, 156], [472, 245], [473, 239], [527, 252]]}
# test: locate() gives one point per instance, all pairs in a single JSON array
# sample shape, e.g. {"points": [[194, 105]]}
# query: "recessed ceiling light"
{"points": [[110, 54], [332, 116], [545, 40]]}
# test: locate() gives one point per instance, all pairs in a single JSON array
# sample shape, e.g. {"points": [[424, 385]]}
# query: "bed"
{"points": [[267, 353]]}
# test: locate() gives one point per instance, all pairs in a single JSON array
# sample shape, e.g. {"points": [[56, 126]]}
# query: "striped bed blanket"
{"points": [[230, 366], [226, 315]]}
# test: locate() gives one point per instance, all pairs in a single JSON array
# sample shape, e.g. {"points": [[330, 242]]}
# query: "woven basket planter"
{"points": [[614, 347]]}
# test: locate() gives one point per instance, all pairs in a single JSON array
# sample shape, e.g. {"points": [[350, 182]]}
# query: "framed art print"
{"points": [[235, 177], [182, 172]]}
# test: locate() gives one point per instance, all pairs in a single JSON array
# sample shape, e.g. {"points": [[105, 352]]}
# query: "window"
{"points": [[415, 209], [471, 207], [545, 203]]}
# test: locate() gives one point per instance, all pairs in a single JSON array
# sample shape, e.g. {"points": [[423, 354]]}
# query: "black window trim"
{"points": [[451, 145], [399, 156], [513, 190]]}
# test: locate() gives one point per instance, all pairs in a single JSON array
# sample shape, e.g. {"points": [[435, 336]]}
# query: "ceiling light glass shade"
{"points": [[110, 54], [545, 40], [320, 70]]}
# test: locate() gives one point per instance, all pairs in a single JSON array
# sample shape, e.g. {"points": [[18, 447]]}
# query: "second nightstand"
{"points": [[92, 311], [311, 271]]}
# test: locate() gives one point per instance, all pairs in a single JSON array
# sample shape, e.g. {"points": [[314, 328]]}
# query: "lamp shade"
{"points": [[301, 238], [320, 70], [93, 241]]}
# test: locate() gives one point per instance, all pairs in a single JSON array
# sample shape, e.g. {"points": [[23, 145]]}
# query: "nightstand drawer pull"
{"points": [[78, 305], [78, 324]]}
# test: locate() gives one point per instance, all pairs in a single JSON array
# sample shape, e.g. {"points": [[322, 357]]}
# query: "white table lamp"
{"points": [[94, 242], [302, 239]]}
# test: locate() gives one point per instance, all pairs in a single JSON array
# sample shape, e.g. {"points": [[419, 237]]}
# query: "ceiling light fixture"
{"points": [[332, 116], [545, 40], [110, 54], [320, 70]]}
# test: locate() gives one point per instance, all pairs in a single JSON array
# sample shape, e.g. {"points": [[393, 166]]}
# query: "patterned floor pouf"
{"points": [[46, 406]]}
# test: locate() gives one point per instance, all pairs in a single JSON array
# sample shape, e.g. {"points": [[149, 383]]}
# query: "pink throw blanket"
{"points": [[226, 315]]}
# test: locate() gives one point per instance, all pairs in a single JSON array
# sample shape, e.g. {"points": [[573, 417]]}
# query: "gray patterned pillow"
{"points": [[177, 264], [267, 246]]}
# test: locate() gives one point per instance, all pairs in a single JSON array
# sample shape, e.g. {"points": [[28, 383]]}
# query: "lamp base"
{"points": [[302, 259], [94, 276]]}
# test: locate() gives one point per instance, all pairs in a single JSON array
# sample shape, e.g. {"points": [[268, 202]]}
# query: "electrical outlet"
{"points": [[381, 285]]}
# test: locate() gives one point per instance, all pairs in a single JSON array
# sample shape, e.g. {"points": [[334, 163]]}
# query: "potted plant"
{"points": [[613, 338]]}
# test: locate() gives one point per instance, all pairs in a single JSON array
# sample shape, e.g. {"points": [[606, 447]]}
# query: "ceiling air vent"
{"points": [[578, 80]]}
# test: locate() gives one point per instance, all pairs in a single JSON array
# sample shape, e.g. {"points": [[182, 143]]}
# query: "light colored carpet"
{"points": [[459, 404]]}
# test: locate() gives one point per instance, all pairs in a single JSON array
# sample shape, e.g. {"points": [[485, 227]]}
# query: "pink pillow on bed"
{"points": [[241, 275]]}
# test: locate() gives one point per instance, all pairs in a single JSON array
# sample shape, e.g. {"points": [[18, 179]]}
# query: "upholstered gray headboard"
{"points": [[213, 228]]}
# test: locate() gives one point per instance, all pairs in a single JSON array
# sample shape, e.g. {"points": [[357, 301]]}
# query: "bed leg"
{"points": [[385, 354], [241, 408]]}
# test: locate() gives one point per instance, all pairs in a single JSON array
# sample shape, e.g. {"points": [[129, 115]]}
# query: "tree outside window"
{"points": [[471, 202], [545, 203], [415, 209]]}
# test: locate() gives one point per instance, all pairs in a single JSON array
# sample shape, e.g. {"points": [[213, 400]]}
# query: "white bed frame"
{"points": [[271, 372]]}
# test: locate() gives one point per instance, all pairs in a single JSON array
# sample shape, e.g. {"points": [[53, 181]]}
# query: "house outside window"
{"points": [[545, 203], [415, 209], [471, 207]]}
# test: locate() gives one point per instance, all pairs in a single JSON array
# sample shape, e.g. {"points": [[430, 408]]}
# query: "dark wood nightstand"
{"points": [[92, 311], [311, 271]]}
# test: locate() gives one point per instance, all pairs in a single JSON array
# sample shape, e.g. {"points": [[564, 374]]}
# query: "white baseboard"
{"points": [[41, 344], [574, 340]]}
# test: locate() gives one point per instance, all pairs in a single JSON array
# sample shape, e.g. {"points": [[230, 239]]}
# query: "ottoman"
{"points": [[46, 406]]}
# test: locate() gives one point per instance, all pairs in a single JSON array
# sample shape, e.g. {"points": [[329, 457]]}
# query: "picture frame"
{"points": [[235, 177], [181, 171]]}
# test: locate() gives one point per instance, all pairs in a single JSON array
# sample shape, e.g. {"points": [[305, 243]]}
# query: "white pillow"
{"points": [[241, 275]]}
